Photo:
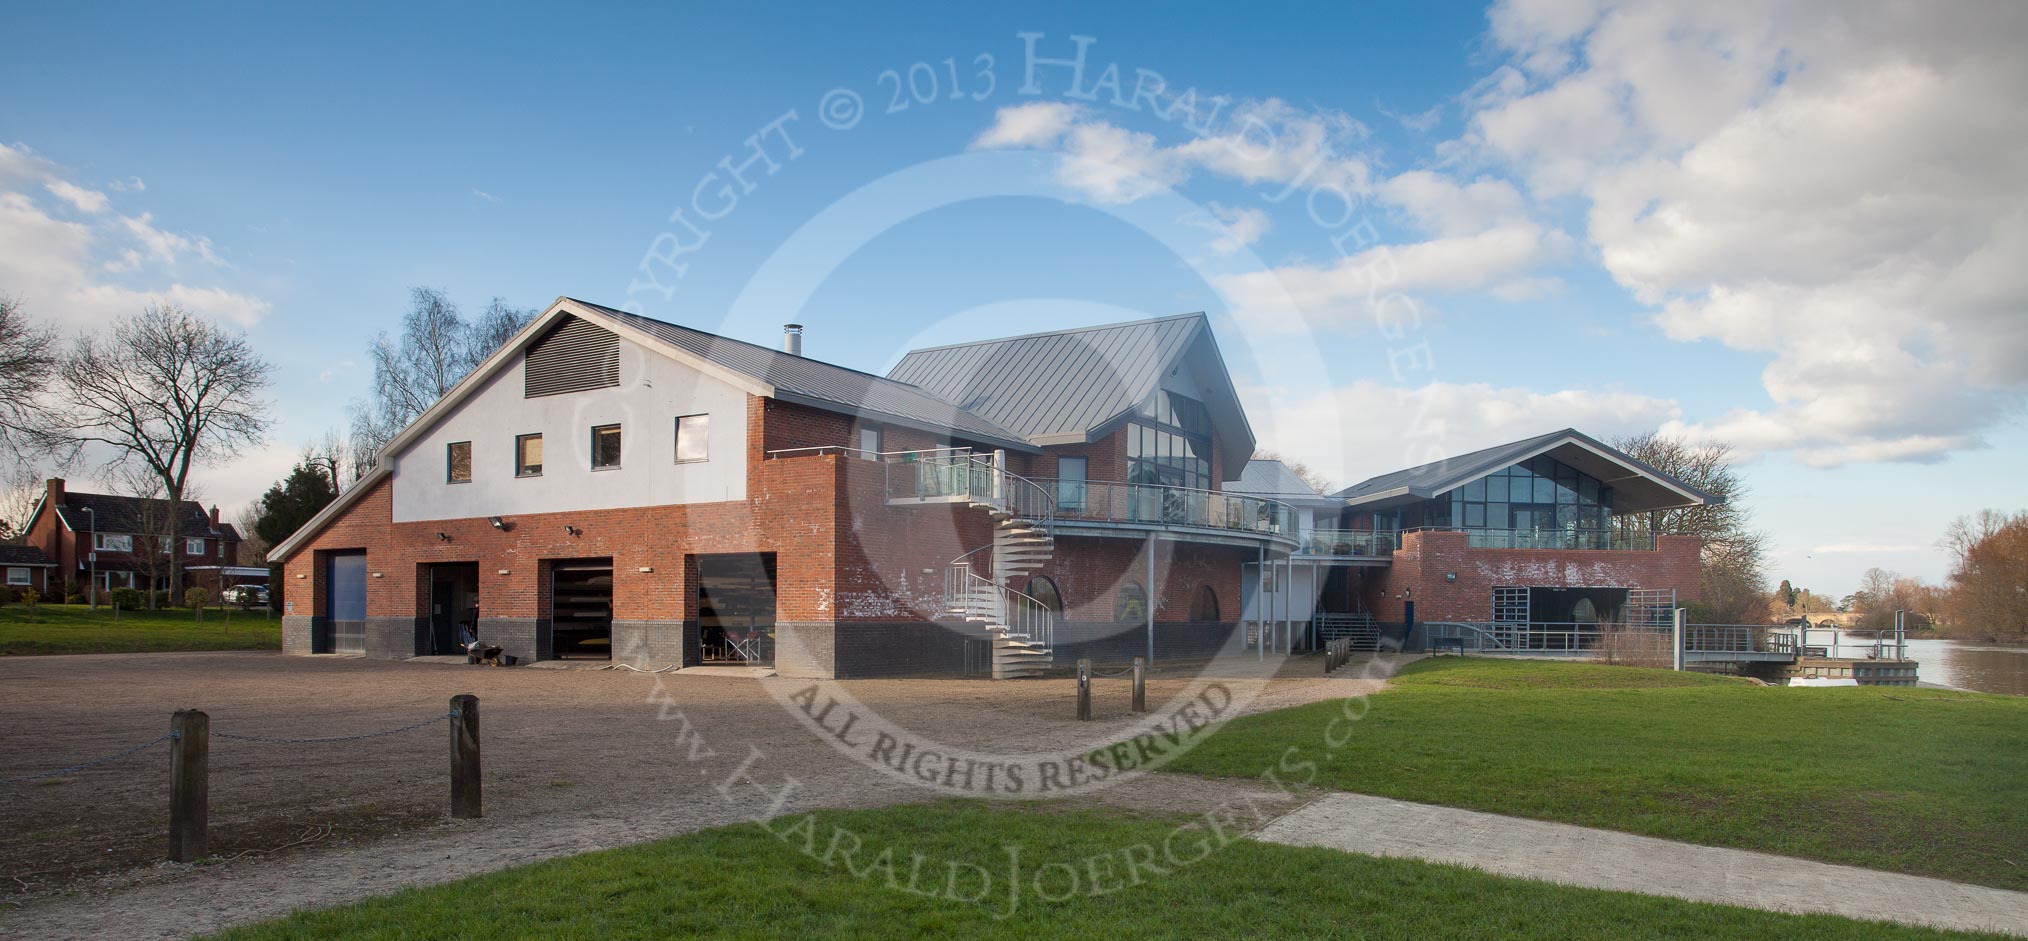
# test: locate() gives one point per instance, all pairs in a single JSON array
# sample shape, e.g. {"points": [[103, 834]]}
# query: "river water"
{"points": [[1988, 668]]}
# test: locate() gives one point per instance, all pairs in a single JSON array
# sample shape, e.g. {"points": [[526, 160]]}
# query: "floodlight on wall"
{"points": [[444, 536], [572, 530], [498, 523]]}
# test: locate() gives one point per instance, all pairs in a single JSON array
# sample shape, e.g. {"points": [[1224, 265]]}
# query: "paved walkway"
{"points": [[1603, 859]]}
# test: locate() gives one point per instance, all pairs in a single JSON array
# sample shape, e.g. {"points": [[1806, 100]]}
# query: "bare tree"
{"points": [[438, 347], [165, 391], [20, 487], [28, 357], [1734, 555]]}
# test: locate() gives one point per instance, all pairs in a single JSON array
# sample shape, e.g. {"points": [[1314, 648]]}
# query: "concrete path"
{"points": [[1603, 859]]}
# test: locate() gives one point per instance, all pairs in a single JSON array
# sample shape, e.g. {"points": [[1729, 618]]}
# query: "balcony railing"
{"points": [[1546, 538], [1152, 504], [1348, 542]]}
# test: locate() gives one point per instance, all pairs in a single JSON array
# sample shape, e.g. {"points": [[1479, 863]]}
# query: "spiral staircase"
{"points": [[1020, 628]]}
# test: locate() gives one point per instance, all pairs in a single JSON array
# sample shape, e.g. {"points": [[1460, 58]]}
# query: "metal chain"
{"points": [[265, 740], [151, 743], [1107, 676]]}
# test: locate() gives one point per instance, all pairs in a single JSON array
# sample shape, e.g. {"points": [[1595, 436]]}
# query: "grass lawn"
{"points": [[63, 628], [744, 882], [1931, 782]]}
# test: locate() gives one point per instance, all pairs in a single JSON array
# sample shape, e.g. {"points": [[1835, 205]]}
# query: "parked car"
{"points": [[247, 596]]}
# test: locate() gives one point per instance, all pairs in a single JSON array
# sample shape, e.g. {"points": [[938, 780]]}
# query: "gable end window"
{"points": [[458, 462], [528, 455], [691, 434], [605, 447]]}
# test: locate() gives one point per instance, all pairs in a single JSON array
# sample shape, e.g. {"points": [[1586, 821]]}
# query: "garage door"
{"points": [[347, 603]]}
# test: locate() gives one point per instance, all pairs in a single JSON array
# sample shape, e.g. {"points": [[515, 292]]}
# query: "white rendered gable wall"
{"points": [[653, 390]]}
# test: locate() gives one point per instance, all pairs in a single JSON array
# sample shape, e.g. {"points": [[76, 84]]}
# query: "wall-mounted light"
{"points": [[645, 569], [302, 575], [444, 536], [572, 530], [498, 523], [379, 575], [503, 571]]}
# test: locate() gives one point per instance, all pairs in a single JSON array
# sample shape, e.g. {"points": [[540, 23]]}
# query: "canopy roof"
{"points": [[1637, 487]]}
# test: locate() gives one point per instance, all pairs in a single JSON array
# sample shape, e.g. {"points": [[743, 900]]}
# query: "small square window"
{"points": [[193, 546], [17, 576], [528, 455], [605, 447], [458, 462], [691, 434]]}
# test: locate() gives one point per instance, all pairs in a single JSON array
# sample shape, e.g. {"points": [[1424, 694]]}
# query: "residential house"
{"points": [[25, 566], [128, 536]]}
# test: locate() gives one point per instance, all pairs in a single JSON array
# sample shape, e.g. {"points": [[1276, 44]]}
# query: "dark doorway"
{"points": [[345, 580], [454, 607], [1575, 605], [581, 609], [736, 607]]}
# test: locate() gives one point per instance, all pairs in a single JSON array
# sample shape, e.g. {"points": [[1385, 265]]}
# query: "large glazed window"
{"points": [[1541, 494]]}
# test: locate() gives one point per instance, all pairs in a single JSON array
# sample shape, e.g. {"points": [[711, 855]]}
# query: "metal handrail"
{"points": [[1559, 538], [855, 452], [1120, 502], [1347, 542], [1031, 620]]}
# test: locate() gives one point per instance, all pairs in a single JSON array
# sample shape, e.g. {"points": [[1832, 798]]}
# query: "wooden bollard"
{"points": [[1084, 690], [189, 790], [465, 756], [1140, 685]]}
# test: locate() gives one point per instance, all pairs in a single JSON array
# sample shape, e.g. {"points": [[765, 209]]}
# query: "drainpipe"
{"points": [[1151, 598], [1260, 603], [1678, 654]]}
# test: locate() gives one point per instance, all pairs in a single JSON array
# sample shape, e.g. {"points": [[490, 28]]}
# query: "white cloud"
{"points": [[1342, 294], [1841, 187], [132, 184], [109, 264], [1268, 141], [1367, 428], [85, 200], [1233, 227], [484, 196]]}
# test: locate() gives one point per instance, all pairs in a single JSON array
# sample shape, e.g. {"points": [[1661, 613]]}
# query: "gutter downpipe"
{"points": [[1151, 597], [1260, 604]]}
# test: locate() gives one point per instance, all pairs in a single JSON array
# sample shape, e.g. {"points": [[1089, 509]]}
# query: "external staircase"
{"points": [[1020, 628]]}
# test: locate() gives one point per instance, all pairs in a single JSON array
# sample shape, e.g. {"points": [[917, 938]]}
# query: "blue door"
{"points": [[347, 602]]}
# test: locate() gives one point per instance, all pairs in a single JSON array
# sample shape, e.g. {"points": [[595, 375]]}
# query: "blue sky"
{"points": [[1617, 218]]}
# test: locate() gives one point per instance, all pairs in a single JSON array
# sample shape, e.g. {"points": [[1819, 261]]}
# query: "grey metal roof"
{"points": [[824, 385], [1061, 384], [1270, 477], [1428, 480]]}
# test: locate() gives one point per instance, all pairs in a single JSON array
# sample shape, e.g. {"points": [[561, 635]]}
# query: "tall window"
{"points": [[605, 447], [691, 432], [458, 462], [1131, 604], [1170, 443], [869, 442], [1070, 479], [528, 456]]}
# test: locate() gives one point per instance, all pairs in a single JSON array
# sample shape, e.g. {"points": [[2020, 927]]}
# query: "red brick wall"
{"points": [[1089, 572], [1426, 557]]}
